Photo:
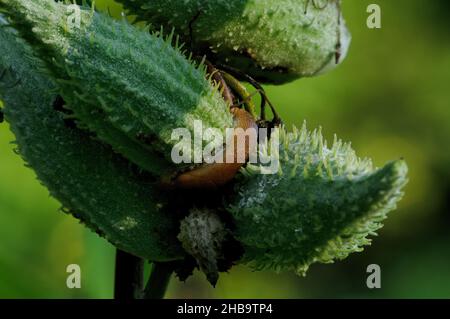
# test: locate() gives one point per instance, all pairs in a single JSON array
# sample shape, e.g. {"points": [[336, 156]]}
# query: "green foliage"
{"points": [[96, 185], [128, 87], [273, 40], [321, 206]]}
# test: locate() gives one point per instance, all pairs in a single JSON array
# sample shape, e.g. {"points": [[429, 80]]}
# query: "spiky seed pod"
{"points": [[92, 182], [321, 206], [272, 40], [128, 87]]}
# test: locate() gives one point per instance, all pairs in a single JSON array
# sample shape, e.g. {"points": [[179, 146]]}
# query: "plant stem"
{"points": [[129, 276], [159, 279]]}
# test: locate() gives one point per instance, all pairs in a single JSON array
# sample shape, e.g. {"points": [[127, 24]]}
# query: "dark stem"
{"points": [[159, 279], [129, 276]]}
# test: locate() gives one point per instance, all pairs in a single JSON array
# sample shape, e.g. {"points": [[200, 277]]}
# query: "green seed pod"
{"points": [[96, 185], [272, 40], [128, 87], [321, 205], [120, 83]]}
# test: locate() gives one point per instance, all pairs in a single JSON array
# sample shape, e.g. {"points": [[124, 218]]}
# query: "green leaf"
{"points": [[320, 206]]}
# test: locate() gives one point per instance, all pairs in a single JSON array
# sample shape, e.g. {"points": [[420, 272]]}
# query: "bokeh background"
{"points": [[390, 98]]}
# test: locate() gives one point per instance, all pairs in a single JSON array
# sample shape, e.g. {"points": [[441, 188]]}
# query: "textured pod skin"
{"points": [[87, 177], [128, 87], [321, 205], [272, 40]]}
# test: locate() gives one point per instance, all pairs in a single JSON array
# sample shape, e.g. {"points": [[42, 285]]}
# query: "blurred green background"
{"points": [[390, 98]]}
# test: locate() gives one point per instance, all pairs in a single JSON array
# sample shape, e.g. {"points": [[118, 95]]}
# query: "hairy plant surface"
{"points": [[104, 63], [96, 185], [273, 40], [321, 206]]}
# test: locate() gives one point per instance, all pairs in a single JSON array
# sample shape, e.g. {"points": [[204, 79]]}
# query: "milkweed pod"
{"points": [[92, 182], [320, 206], [131, 89], [272, 40]]}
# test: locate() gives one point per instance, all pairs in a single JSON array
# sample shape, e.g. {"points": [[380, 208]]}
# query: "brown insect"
{"points": [[212, 176], [218, 174]]}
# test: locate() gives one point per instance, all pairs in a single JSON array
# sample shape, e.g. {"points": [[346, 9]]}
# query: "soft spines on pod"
{"points": [[320, 205], [128, 87], [272, 40], [96, 185]]}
